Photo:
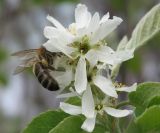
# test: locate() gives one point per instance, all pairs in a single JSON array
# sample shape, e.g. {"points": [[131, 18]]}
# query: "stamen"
{"points": [[98, 107], [118, 85]]}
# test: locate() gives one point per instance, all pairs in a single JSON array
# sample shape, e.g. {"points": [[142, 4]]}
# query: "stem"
{"points": [[123, 104], [118, 127], [115, 128]]}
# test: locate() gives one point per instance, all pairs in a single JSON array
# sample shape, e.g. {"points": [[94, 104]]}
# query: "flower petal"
{"points": [[67, 95], [105, 85], [70, 109], [50, 47], [105, 18], [92, 57], [88, 103], [128, 89], [123, 55], [117, 112], [82, 16], [94, 23], [107, 58], [55, 22], [105, 28], [56, 43], [50, 32], [81, 76], [103, 54], [65, 78], [89, 124], [107, 55]]}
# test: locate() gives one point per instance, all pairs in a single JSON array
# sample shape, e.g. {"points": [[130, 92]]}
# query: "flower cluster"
{"points": [[86, 57]]}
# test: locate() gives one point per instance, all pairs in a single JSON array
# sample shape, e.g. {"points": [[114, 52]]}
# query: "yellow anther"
{"points": [[118, 85]]}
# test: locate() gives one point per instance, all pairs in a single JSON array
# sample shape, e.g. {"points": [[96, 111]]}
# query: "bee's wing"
{"points": [[19, 69], [26, 53], [24, 65]]}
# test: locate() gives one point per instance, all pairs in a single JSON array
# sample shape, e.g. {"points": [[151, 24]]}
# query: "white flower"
{"points": [[91, 109], [104, 84], [83, 40]]}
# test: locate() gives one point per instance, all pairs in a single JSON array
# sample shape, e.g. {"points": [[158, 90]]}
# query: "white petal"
{"points": [[63, 35], [55, 22], [81, 32], [88, 103], [105, 85], [55, 43], [50, 32], [89, 124], [123, 55], [50, 47], [105, 28], [65, 78], [67, 95], [92, 57], [117, 112], [107, 58], [107, 55], [128, 89], [94, 23], [82, 16], [70, 109], [104, 18], [81, 76], [106, 50]]}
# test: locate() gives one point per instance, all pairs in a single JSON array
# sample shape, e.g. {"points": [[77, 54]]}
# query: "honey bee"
{"points": [[41, 61]]}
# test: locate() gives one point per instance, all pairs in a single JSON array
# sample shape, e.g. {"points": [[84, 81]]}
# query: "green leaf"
{"points": [[73, 124], [45, 122], [147, 28], [154, 101], [145, 96], [149, 121]]}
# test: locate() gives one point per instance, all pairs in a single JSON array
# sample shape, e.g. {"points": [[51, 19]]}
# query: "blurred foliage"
{"points": [[40, 2], [3, 54], [3, 58], [155, 43], [3, 78], [118, 5], [134, 64]]}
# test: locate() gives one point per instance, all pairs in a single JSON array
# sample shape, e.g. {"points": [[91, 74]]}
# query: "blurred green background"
{"points": [[21, 27]]}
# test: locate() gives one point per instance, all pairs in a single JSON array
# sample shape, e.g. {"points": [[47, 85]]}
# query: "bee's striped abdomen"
{"points": [[43, 76]]}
